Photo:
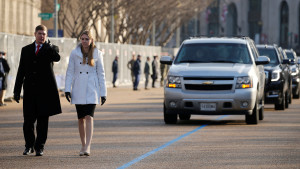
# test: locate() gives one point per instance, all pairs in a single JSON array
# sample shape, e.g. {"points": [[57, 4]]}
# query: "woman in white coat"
{"points": [[85, 84]]}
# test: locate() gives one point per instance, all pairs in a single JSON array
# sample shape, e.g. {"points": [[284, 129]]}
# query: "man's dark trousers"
{"points": [[39, 141]]}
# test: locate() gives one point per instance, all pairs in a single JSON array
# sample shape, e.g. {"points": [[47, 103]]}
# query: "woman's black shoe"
{"points": [[28, 151]]}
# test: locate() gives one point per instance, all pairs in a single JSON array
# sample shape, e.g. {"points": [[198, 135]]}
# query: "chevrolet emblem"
{"points": [[208, 83]]}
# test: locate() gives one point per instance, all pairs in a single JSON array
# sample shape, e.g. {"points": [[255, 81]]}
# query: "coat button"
{"points": [[87, 72], [80, 72], [80, 62]]}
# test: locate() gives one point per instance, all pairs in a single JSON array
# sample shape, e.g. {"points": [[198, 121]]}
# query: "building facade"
{"points": [[19, 16], [265, 21]]}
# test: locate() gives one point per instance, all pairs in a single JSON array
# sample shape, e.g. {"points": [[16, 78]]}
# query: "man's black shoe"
{"points": [[39, 153], [28, 151]]}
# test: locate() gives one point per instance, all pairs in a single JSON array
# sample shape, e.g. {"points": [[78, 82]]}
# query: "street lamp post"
{"points": [[112, 23], [55, 34]]}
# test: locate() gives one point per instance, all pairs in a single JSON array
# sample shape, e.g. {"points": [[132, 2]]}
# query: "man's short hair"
{"points": [[41, 27]]}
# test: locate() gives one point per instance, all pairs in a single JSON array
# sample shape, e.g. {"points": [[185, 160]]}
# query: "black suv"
{"points": [[294, 71], [277, 89]]}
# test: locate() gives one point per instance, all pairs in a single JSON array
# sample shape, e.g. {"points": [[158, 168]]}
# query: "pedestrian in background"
{"points": [[137, 72], [155, 70], [4, 70], [147, 71], [85, 84], [115, 70], [41, 98], [163, 73], [130, 67]]}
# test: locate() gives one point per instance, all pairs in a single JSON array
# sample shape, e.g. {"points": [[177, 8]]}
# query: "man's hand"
{"points": [[68, 96], [103, 99], [55, 48], [17, 98]]}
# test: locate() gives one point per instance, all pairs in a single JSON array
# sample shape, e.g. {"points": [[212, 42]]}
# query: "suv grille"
{"points": [[207, 87], [216, 83], [208, 78]]}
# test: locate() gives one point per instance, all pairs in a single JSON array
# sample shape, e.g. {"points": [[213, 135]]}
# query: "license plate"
{"points": [[208, 106]]}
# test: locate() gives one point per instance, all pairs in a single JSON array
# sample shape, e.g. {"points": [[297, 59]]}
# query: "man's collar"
{"points": [[37, 44]]}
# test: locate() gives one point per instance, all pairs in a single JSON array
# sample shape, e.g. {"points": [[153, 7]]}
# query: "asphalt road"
{"points": [[130, 132]]}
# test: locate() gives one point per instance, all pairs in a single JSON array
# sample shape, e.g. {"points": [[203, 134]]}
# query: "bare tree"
{"points": [[134, 19]]}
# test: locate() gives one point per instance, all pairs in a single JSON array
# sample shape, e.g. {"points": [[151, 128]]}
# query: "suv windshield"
{"points": [[213, 52], [271, 53]]}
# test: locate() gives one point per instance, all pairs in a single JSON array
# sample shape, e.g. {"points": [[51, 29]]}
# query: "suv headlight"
{"points": [[174, 82], [294, 71], [275, 75], [243, 83]]}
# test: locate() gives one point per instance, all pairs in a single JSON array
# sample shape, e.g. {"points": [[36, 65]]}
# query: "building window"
{"points": [[212, 13], [254, 18], [298, 37], [284, 24], [231, 27]]}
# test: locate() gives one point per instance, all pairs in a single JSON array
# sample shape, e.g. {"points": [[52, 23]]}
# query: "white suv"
{"points": [[215, 76]]}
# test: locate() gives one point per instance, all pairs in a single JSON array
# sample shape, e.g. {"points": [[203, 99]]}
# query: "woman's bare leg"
{"points": [[89, 132], [81, 128]]}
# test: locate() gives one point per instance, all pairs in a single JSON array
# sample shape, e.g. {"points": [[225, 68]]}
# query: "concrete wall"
{"points": [[13, 44]]}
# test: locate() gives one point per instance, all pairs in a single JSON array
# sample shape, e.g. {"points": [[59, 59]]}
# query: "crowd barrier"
{"points": [[13, 44]]}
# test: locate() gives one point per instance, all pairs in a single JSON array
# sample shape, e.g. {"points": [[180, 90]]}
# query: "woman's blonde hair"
{"points": [[89, 55]]}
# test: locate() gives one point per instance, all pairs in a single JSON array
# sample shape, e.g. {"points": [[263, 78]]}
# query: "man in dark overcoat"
{"points": [[40, 92], [115, 70], [137, 72]]}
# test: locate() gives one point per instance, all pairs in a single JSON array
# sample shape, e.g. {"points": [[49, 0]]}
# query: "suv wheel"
{"points": [[184, 116], [262, 107], [290, 93], [296, 95], [281, 105], [169, 118], [287, 100], [253, 118]]}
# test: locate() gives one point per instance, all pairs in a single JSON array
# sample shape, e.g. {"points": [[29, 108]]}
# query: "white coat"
{"points": [[86, 83]]}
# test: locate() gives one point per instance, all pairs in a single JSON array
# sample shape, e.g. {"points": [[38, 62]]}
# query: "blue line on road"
{"points": [[165, 145]]}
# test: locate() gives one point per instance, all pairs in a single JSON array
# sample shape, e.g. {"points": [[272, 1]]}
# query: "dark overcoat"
{"points": [[35, 74], [115, 66], [6, 71]]}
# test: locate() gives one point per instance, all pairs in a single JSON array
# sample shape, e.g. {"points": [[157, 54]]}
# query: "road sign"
{"points": [[57, 7], [46, 16]]}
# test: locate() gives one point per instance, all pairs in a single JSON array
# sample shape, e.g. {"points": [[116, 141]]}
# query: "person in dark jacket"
{"points": [[147, 71], [137, 72], [115, 70], [40, 92], [130, 65], [4, 70], [154, 70]]}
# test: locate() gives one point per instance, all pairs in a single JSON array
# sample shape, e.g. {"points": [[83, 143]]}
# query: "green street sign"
{"points": [[57, 7], [46, 16]]}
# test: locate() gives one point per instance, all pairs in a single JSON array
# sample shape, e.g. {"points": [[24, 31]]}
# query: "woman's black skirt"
{"points": [[85, 109]]}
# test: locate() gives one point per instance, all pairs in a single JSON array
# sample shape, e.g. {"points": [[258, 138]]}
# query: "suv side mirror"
{"points": [[262, 60], [286, 61], [166, 60]]}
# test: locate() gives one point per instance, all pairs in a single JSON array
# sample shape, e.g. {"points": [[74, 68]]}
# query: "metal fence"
{"points": [[13, 44]]}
